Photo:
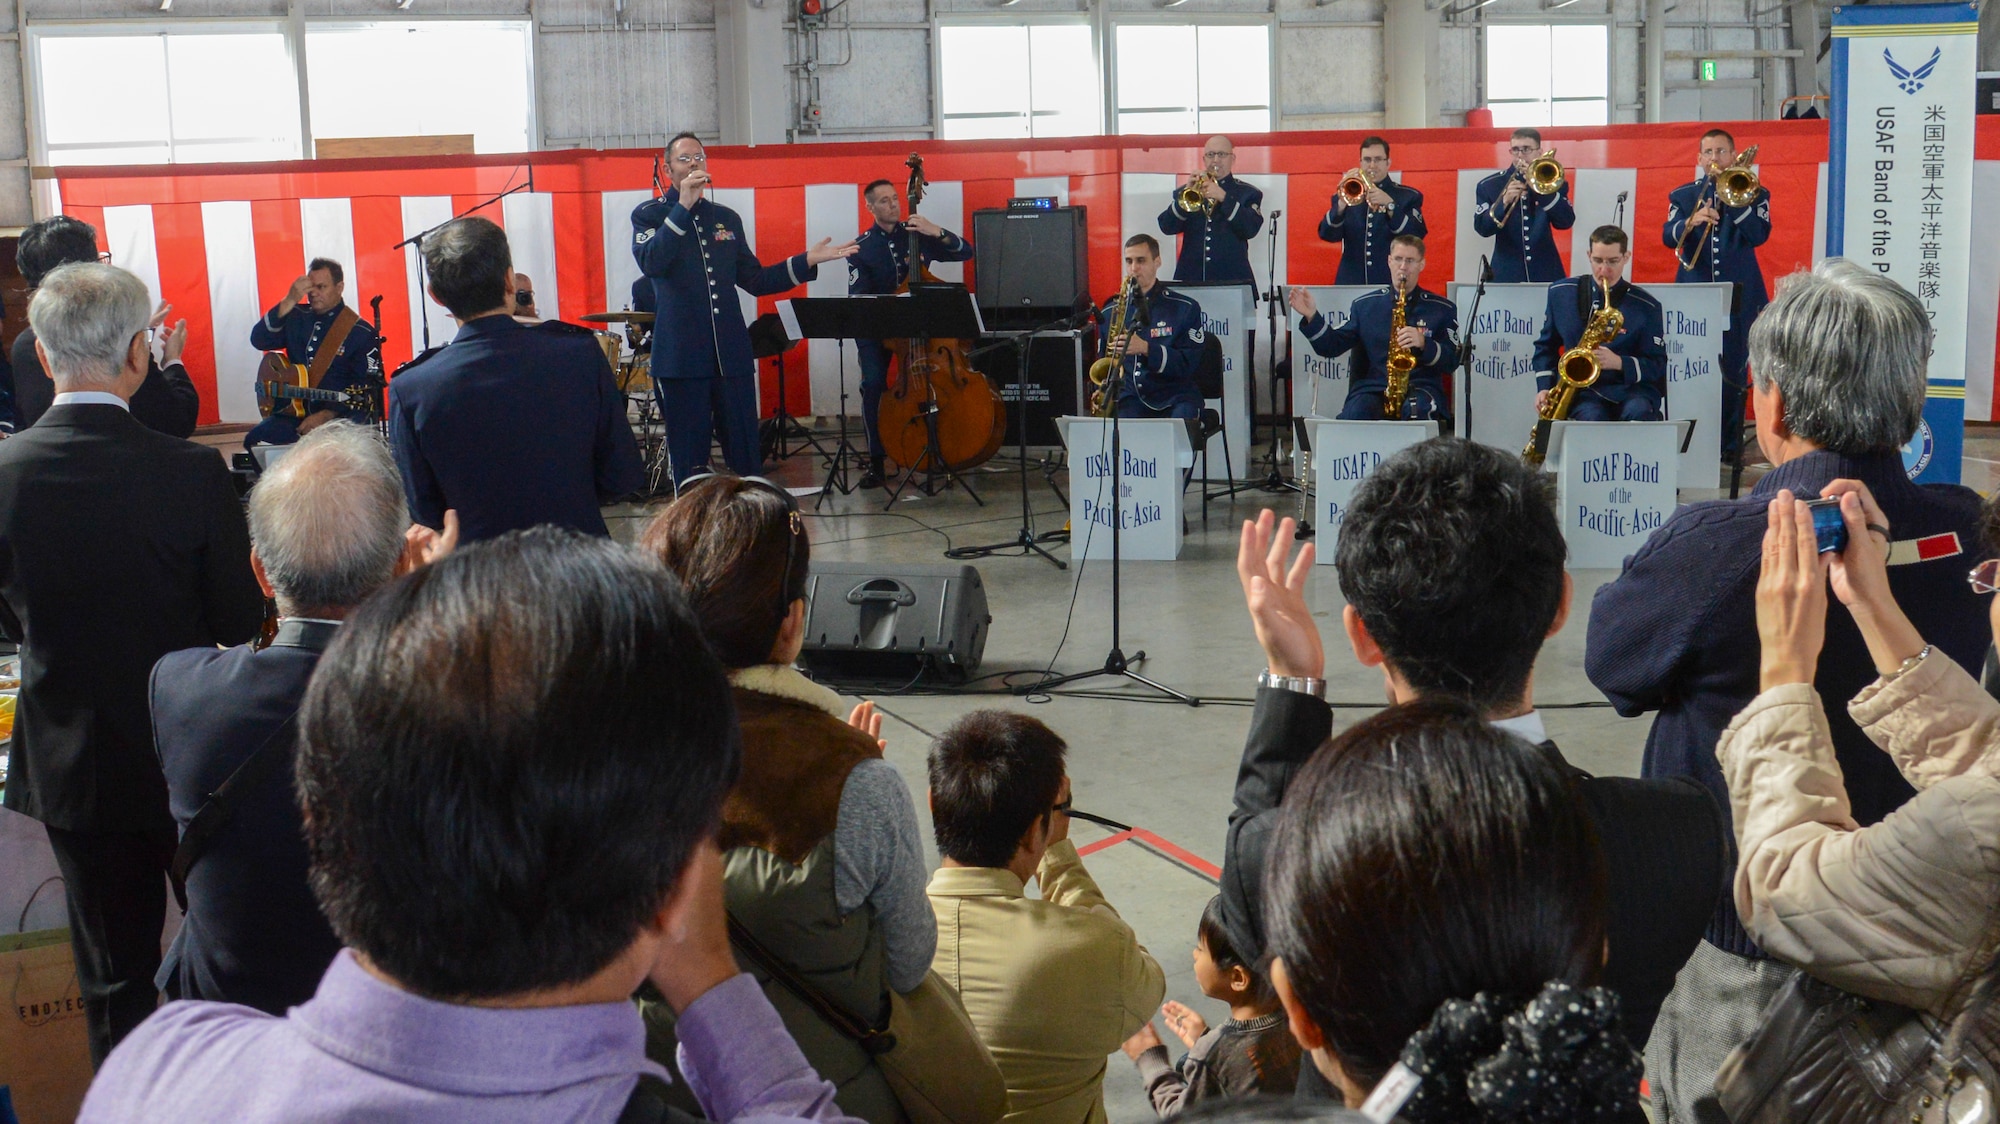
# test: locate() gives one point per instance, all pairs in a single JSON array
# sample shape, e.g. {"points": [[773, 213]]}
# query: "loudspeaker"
{"points": [[1030, 264], [1055, 371], [864, 620]]}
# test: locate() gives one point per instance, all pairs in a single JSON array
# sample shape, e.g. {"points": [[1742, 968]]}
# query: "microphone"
{"points": [[1622, 195], [1485, 269]]}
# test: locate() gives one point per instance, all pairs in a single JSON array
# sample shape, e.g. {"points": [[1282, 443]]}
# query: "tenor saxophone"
{"points": [[1400, 363], [1102, 404], [1576, 370]]}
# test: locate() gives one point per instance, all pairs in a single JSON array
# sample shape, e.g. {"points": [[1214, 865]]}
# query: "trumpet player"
{"points": [[1429, 321], [1632, 365], [1717, 241], [1215, 233], [1364, 227], [1521, 220], [1161, 340]]}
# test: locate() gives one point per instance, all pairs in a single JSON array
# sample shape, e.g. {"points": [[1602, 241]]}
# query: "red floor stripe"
{"points": [[1147, 839]]}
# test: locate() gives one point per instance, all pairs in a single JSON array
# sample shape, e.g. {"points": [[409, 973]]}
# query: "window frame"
{"points": [[940, 23], [1108, 51], [531, 56], [1606, 22]]}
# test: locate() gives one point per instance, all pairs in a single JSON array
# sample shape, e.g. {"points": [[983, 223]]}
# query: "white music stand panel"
{"points": [[1154, 452]]}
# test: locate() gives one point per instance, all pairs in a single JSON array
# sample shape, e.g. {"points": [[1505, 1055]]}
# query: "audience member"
{"points": [[316, 330], [1900, 911], [818, 825], [1451, 561], [1252, 1053], [1437, 899], [524, 309], [511, 764], [117, 546], [1838, 365], [1054, 983], [327, 528], [166, 402], [511, 426]]}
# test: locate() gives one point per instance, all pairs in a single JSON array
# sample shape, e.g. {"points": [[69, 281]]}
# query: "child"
{"points": [[1254, 1052]]}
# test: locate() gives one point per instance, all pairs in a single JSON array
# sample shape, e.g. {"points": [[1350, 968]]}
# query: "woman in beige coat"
{"points": [[1907, 910]]}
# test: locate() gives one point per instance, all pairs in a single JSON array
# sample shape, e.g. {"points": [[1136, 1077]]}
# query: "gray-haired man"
{"points": [[328, 527], [117, 546], [1838, 371]]}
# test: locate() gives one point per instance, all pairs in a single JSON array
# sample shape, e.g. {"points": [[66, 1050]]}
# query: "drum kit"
{"points": [[630, 354]]}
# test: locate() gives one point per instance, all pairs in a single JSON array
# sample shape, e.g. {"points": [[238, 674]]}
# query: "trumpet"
{"points": [[1735, 186], [1355, 188], [1544, 176], [1191, 198]]}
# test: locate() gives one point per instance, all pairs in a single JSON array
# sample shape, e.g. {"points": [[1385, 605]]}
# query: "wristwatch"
{"points": [[1302, 684]]}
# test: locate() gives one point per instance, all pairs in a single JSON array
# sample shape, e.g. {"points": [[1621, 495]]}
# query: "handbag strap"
{"points": [[873, 1040], [220, 807]]}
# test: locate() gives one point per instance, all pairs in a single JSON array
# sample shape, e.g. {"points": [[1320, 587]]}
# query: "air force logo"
{"points": [[1912, 80]]}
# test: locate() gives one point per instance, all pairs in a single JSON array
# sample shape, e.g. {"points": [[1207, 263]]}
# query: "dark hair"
{"points": [[331, 266], [993, 773], [730, 541], [62, 240], [1215, 937], [1452, 554], [870, 189], [1146, 240], [469, 266], [1532, 134], [1723, 133], [1422, 856], [1412, 241], [1989, 531], [1375, 142], [506, 761], [678, 138], [1270, 1109], [1609, 235]]}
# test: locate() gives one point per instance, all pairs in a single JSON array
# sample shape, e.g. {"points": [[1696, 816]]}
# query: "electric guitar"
{"points": [[284, 390]]}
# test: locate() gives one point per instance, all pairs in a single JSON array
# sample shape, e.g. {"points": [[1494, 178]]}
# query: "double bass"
{"points": [[935, 379]]}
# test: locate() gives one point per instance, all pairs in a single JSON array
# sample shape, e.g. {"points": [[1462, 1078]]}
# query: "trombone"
{"points": [[1734, 186], [1544, 177]]}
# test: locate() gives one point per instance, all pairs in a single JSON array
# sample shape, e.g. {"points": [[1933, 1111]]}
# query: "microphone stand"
{"points": [[377, 385], [417, 240], [1466, 350], [1618, 216], [1274, 480]]}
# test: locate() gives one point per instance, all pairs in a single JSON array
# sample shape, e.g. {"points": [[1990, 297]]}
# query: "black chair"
{"points": [[1208, 380]]}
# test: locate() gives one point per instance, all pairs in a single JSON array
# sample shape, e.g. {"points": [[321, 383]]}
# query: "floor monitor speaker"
{"points": [[870, 620]]}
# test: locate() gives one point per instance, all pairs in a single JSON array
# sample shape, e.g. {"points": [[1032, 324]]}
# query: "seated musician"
{"points": [[1163, 338], [1632, 380], [881, 263], [1428, 323], [315, 329]]}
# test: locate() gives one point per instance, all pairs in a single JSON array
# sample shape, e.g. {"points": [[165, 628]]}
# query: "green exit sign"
{"points": [[1707, 70]]}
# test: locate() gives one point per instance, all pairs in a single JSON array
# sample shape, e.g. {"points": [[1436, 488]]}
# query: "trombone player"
{"points": [[1379, 210], [1216, 215], [1714, 226], [1429, 321], [1511, 209], [1632, 365]]}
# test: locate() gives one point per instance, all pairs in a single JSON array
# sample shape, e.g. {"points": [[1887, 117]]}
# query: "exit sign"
{"points": [[1707, 70]]}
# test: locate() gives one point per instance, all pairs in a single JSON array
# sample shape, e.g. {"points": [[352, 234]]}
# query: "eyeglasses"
{"points": [[1065, 806], [795, 523], [1985, 577], [524, 297], [1216, 155], [1522, 150]]}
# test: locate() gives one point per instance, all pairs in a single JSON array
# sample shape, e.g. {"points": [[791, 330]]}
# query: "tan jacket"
{"points": [[1906, 910], [1052, 985]]}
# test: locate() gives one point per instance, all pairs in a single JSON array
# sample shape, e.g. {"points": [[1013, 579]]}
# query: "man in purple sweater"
{"points": [[511, 765]]}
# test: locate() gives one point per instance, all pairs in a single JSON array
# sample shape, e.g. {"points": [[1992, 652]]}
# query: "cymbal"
{"points": [[618, 318]]}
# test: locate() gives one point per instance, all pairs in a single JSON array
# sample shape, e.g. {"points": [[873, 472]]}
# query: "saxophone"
{"points": [[1102, 403], [1576, 370], [1400, 363]]}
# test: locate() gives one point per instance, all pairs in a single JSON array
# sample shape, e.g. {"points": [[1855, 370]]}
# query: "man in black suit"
{"points": [[510, 425], [1451, 560], [328, 527], [166, 402], [117, 546]]}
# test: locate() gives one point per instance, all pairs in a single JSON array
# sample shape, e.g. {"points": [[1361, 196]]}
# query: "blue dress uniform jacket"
{"points": [[1364, 234], [1641, 344], [1218, 248], [881, 261], [1160, 382], [512, 427], [1526, 250], [298, 336], [1730, 254], [696, 262], [1366, 335]]}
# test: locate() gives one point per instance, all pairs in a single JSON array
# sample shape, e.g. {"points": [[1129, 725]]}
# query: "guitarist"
{"points": [[314, 327]]}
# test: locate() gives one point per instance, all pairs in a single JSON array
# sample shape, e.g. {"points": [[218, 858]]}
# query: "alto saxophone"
{"points": [[1400, 363], [1102, 404], [1576, 370]]}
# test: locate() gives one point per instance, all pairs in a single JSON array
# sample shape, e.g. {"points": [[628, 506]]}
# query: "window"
{"points": [[177, 97], [1194, 78], [423, 78], [1548, 74], [1018, 82]]}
